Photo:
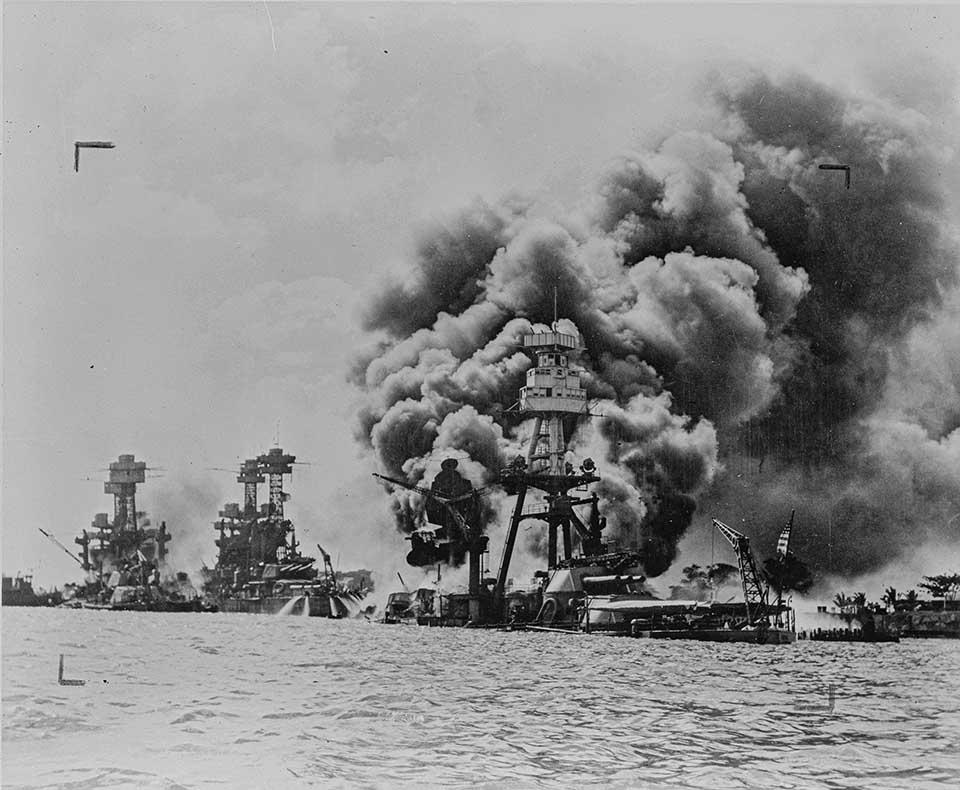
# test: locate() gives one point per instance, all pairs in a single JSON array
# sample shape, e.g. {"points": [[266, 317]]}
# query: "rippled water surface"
{"points": [[248, 701]]}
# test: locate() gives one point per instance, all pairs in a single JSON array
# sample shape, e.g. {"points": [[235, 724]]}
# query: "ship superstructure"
{"points": [[554, 399], [549, 489], [125, 558], [260, 568], [588, 584], [126, 541]]}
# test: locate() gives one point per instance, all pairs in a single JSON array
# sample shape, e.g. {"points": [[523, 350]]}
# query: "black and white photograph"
{"points": [[480, 395]]}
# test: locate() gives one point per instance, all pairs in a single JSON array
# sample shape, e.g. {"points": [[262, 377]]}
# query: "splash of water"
{"points": [[288, 606], [349, 605]]}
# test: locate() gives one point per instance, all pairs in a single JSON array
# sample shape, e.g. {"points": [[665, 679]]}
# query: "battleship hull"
{"points": [[195, 605], [333, 607]]}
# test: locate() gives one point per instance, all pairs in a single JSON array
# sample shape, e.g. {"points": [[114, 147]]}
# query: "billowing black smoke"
{"points": [[740, 310], [847, 445]]}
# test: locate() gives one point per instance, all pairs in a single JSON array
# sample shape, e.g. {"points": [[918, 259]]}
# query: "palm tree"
{"points": [[943, 586], [859, 601], [910, 599], [846, 605], [890, 597], [841, 601]]}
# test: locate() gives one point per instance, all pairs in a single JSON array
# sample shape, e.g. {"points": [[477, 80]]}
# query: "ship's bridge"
{"points": [[551, 385]]}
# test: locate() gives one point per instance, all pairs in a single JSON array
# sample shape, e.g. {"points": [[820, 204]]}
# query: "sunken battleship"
{"points": [[260, 568], [125, 558], [590, 584]]}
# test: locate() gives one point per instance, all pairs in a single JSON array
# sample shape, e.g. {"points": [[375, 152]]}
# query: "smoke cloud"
{"points": [[185, 505], [740, 309]]}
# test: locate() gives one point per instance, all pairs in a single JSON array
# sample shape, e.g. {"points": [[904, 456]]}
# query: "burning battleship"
{"points": [[590, 584], [260, 568], [735, 348], [125, 558]]}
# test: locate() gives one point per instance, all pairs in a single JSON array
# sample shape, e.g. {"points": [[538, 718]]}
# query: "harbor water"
{"points": [[257, 701]]}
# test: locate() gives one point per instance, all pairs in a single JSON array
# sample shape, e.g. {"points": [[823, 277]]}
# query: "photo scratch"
{"points": [[273, 34]]}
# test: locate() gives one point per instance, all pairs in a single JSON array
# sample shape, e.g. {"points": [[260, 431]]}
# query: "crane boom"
{"points": [[433, 494], [70, 553], [410, 487], [754, 590], [446, 502], [327, 565]]}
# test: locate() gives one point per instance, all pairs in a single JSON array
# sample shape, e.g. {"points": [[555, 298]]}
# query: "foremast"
{"points": [[554, 398]]}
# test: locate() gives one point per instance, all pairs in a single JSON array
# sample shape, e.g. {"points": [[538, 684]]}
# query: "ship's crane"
{"points": [[470, 536], [447, 503], [328, 571], [755, 592]]}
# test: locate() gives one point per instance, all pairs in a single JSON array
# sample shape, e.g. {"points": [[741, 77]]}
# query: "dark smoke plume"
{"points": [[738, 306], [870, 479]]}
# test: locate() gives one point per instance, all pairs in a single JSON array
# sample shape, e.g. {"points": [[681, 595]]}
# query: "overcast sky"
{"points": [[196, 287]]}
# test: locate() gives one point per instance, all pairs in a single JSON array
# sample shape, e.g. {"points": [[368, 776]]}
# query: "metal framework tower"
{"points": [[250, 475], [233, 557], [92, 555], [554, 398], [125, 473], [276, 464], [101, 523], [754, 589]]}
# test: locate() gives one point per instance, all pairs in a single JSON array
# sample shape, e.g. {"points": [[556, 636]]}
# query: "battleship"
{"points": [[260, 568], [599, 589], [125, 559]]}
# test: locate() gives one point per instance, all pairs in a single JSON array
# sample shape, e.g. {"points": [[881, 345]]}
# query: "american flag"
{"points": [[784, 543]]}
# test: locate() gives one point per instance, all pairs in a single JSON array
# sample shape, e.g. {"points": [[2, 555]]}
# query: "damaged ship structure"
{"points": [[260, 569], [125, 558], [598, 589]]}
